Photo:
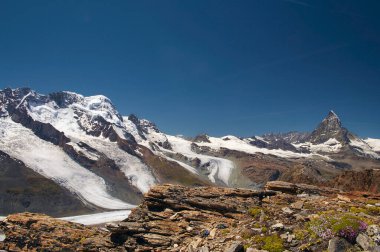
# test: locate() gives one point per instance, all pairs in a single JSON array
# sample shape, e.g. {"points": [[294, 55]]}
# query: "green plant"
{"points": [[344, 225], [301, 234], [225, 231], [255, 211], [273, 243]]}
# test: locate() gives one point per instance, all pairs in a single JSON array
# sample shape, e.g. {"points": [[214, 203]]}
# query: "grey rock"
{"points": [[236, 247], [278, 226], [2, 236], [338, 245], [364, 241], [297, 205], [255, 250], [204, 249], [376, 249], [287, 210], [373, 230]]}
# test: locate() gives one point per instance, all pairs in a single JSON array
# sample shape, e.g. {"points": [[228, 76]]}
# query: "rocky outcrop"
{"points": [[177, 218], [37, 232], [175, 215], [291, 188]]}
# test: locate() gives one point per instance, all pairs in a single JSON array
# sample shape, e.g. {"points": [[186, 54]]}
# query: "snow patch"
{"points": [[373, 143], [98, 218], [330, 146]]}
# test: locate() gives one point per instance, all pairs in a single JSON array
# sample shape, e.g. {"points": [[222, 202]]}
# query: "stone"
{"points": [[288, 237], [287, 210], [364, 241], [195, 243], [373, 230], [295, 189], [262, 216], [278, 226], [235, 247], [376, 249], [337, 244], [203, 249], [297, 205], [343, 198], [213, 233], [221, 226], [255, 250]]}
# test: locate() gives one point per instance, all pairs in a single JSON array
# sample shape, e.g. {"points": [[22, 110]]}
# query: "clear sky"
{"points": [[216, 67]]}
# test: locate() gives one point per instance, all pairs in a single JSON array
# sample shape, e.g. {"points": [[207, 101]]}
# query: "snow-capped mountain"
{"points": [[97, 158]]}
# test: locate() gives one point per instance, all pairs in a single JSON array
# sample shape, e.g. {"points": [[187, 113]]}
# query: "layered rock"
{"points": [[178, 218], [38, 232], [171, 216]]}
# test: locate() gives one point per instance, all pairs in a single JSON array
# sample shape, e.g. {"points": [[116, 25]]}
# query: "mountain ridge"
{"points": [[89, 148]]}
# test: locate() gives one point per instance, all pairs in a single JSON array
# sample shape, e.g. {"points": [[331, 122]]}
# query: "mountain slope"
{"points": [[107, 161]]}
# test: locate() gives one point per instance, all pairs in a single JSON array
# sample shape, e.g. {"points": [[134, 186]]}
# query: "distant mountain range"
{"points": [[64, 153]]}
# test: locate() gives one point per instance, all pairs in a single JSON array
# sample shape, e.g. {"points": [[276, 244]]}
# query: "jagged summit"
{"points": [[330, 127], [332, 120]]}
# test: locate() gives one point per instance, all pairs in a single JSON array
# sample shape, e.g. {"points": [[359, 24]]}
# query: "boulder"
{"points": [[337, 244], [235, 247], [364, 242]]}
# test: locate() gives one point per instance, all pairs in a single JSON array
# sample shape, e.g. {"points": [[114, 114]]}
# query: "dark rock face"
{"points": [[283, 141], [201, 138], [168, 171], [330, 127], [291, 188], [365, 181], [44, 131], [274, 144], [22, 189], [289, 137], [64, 99]]}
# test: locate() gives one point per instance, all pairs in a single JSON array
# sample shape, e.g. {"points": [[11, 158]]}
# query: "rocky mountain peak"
{"points": [[64, 98], [332, 121], [330, 127]]}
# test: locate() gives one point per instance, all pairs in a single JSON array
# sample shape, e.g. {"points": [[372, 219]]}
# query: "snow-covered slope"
{"points": [[219, 168], [235, 143], [330, 146], [373, 143], [49, 160], [65, 119]]}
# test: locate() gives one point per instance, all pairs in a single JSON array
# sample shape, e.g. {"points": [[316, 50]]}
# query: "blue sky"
{"points": [[216, 67]]}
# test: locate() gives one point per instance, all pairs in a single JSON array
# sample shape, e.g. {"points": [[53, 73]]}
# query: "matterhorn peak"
{"points": [[330, 127], [332, 116], [331, 121]]}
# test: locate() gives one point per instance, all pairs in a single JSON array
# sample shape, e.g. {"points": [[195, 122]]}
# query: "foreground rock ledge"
{"points": [[201, 219], [39, 232], [170, 217]]}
